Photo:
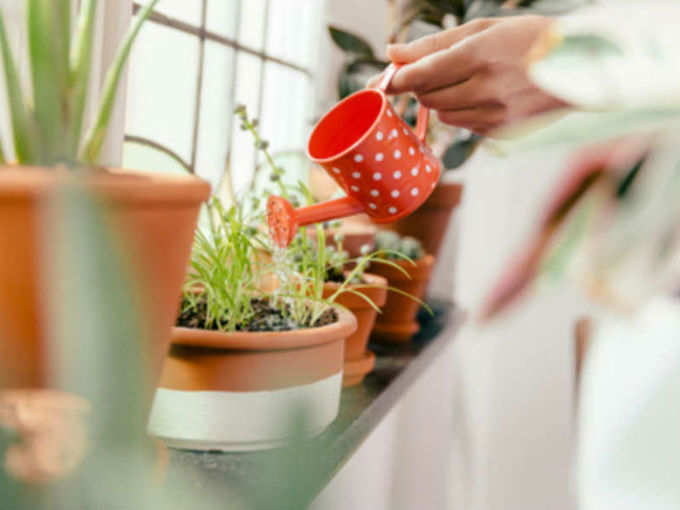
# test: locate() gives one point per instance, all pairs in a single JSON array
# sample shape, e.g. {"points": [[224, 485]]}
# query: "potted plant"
{"points": [[347, 283], [249, 368], [153, 215], [408, 275]]}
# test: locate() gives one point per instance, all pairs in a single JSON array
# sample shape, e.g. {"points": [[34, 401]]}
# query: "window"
{"points": [[196, 59]]}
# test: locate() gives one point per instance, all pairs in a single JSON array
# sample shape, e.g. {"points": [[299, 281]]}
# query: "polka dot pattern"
{"points": [[390, 171]]}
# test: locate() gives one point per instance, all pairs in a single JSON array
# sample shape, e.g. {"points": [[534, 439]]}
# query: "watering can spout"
{"points": [[284, 220]]}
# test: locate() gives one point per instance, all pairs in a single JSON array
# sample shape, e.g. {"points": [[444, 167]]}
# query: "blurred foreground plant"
{"points": [[612, 222], [48, 128]]}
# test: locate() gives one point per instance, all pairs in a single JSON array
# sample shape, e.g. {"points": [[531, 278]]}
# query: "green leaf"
{"points": [[95, 137], [351, 43], [20, 116], [3, 159], [356, 73], [459, 151], [579, 128], [50, 76], [80, 63]]}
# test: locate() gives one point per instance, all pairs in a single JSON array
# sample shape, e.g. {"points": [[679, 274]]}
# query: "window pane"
{"points": [[293, 30], [251, 29], [142, 157], [185, 10], [221, 17], [216, 112], [162, 87], [286, 108], [247, 92]]}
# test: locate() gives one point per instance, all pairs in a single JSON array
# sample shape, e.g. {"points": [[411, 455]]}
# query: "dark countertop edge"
{"points": [[359, 431]]}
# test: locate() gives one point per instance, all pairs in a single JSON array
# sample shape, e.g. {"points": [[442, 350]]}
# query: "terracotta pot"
{"points": [[397, 322], [249, 391], [429, 222], [155, 217], [359, 361]]}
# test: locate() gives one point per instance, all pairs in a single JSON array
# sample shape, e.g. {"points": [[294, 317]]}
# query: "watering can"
{"points": [[385, 168]]}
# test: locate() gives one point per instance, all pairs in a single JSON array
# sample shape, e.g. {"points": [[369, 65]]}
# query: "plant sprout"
{"points": [[47, 128]]}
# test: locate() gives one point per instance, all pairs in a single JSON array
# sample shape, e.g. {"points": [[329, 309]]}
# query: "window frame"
{"points": [[203, 34]]}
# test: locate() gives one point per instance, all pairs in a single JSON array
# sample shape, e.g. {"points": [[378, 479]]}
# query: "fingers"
{"points": [[408, 53], [412, 52], [438, 70], [469, 94], [480, 120]]}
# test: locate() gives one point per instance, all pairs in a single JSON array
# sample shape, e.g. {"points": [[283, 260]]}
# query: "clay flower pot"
{"points": [[249, 391], [359, 361], [155, 216], [397, 322], [429, 222]]}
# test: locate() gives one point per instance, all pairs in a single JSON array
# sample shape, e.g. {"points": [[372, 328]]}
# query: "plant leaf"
{"points": [[50, 79], [459, 151], [80, 63], [23, 133], [351, 43], [95, 137]]}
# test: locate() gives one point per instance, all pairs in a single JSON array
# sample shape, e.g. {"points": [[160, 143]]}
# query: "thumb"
{"points": [[410, 52]]}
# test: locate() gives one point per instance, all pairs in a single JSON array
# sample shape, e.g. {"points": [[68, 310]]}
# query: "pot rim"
{"points": [[268, 340], [418, 271], [19, 182], [376, 294]]}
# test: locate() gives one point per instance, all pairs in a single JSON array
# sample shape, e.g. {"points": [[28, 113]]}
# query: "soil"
{"points": [[337, 276], [266, 318]]}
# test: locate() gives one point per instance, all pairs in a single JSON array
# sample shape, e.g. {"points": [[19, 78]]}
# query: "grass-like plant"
{"points": [[48, 127], [222, 281]]}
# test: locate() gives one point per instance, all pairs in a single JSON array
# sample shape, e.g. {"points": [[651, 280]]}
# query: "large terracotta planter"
{"points": [[249, 391], [359, 361], [429, 222], [155, 217], [397, 322]]}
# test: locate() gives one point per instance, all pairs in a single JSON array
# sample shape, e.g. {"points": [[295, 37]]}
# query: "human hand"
{"points": [[475, 75]]}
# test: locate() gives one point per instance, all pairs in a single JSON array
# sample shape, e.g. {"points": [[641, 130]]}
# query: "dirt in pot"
{"points": [[265, 318], [336, 275]]}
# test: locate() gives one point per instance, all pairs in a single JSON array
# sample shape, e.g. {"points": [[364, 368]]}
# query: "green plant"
{"points": [[612, 222], [47, 129], [393, 246], [222, 280]]}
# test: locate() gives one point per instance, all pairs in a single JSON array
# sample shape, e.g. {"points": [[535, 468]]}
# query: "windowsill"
{"points": [[291, 477]]}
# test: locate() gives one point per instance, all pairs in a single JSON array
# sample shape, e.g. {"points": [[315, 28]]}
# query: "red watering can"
{"points": [[384, 167]]}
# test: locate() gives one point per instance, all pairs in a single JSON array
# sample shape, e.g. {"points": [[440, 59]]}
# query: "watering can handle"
{"points": [[423, 113]]}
